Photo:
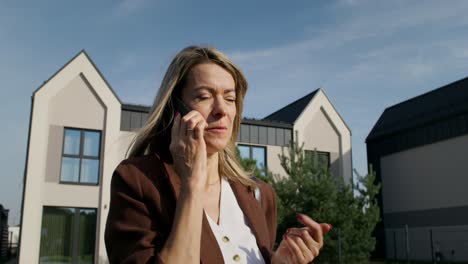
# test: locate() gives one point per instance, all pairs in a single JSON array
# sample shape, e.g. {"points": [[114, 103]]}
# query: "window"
{"points": [[80, 156], [323, 158], [257, 153], [67, 235]]}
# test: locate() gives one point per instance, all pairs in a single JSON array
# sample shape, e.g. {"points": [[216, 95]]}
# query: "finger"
{"points": [[306, 237], [199, 130], [326, 228], [283, 246], [175, 127], [286, 251], [295, 249], [182, 127], [191, 120], [305, 249], [190, 115], [314, 227], [310, 249]]}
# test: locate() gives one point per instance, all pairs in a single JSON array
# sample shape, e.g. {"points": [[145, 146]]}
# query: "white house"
{"points": [[80, 131]]}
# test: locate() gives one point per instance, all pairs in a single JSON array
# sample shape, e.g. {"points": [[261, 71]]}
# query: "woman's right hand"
{"points": [[188, 149]]}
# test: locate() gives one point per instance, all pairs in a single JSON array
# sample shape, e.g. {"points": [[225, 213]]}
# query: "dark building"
{"points": [[419, 150], [3, 231]]}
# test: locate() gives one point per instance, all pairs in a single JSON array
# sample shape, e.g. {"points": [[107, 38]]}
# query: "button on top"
{"points": [[236, 258], [225, 239]]}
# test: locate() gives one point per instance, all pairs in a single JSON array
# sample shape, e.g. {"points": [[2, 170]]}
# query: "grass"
{"points": [[421, 262]]}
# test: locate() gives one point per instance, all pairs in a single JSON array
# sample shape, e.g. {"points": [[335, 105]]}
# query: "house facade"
{"points": [[80, 131], [419, 150]]}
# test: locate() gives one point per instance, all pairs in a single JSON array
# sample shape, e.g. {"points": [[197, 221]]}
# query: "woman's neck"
{"points": [[213, 172]]}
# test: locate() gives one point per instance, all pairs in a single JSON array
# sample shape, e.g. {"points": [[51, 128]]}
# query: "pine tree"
{"points": [[310, 188]]}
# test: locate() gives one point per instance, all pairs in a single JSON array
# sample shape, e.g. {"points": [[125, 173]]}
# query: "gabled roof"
{"points": [[92, 63], [291, 112], [439, 104]]}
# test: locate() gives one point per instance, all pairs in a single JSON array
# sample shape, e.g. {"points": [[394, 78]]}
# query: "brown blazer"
{"points": [[144, 193]]}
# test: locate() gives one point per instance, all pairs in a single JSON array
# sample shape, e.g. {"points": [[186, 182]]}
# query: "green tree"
{"points": [[310, 188]]}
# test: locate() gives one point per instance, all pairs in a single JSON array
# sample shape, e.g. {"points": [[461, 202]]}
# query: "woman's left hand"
{"points": [[301, 245]]}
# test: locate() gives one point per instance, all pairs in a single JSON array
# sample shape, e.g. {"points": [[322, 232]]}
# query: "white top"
{"points": [[235, 239]]}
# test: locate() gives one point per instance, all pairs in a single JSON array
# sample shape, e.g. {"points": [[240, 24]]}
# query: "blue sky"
{"points": [[366, 55]]}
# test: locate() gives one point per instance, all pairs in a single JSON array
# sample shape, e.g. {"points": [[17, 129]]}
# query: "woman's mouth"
{"points": [[217, 129]]}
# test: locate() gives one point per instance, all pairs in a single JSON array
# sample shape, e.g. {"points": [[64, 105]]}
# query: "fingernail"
{"points": [[288, 230], [177, 113], [331, 227], [299, 217], [284, 236]]}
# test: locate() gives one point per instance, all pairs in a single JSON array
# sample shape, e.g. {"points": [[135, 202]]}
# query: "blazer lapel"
{"points": [[209, 248], [255, 217]]}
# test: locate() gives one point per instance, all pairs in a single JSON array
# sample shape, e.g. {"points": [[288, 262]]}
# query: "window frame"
{"points": [[251, 152], [80, 156]]}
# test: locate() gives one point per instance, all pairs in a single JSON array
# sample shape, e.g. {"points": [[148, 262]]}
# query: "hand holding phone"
{"points": [[188, 147]]}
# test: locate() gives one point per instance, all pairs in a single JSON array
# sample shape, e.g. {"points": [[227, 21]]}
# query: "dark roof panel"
{"points": [[291, 112], [268, 123], [245, 120], [441, 103], [136, 108]]}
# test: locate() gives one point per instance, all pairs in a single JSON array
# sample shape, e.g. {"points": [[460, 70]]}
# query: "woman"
{"points": [[182, 196]]}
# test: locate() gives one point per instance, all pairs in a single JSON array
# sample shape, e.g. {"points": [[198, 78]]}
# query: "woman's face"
{"points": [[210, 90]]}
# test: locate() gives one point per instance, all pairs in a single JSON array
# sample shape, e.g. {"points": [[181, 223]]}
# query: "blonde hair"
{"points": [[154, 136]]}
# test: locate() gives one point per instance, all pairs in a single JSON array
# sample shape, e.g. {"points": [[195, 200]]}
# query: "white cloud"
{"points": [[127, 7], [418, 70], [376, 30], [369, 61], [351, 2], [461, 53], [378, 19]]}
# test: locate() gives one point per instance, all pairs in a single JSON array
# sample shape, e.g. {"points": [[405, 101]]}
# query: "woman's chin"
{"points": [[214, 147]]}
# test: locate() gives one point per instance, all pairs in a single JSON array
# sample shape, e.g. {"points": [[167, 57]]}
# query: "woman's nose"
{"points": [[219, 107]]}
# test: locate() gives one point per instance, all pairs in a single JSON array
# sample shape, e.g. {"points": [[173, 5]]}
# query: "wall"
{"points": [[76, 96], [425, 188], [320, 126], [75, 105], [273, 160], [432, 176], [321, 135]]}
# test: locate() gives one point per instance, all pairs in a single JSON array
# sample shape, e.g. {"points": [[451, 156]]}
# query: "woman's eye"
{"points": [[203, 97], [231, 99]]}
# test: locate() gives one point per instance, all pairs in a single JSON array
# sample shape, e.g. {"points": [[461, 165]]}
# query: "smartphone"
{"points": [[181, 107]]}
